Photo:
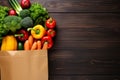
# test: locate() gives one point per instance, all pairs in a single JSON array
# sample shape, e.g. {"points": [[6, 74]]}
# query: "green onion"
{"points": [[13, 6], [16, 6]]}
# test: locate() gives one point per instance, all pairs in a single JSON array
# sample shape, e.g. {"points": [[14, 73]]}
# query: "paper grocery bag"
{"points": [[24, 65], [0, 74]]}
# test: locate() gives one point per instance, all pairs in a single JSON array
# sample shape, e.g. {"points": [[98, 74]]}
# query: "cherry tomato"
{"points": [[51, 32], [12, 12], [50, 23], [25, 4]]}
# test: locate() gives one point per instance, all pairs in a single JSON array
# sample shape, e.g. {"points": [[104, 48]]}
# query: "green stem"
{"points": [[17, 35], [51, 20], [30, 29], [37, 31]]}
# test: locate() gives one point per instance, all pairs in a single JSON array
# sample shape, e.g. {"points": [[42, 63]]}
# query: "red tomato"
{"points": [[51, 32], [25, 4], [51, 23], [12, 12]]}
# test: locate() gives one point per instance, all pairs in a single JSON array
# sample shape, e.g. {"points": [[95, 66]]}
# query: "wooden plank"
{"points": [[90, 39], [85, 77], [84, 61], [77, 5], [4, 3], [87, 20], [83, 5], [87, 30]]}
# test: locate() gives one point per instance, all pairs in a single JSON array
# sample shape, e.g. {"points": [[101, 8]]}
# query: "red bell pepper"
{"points": [[22, 35], [51, 32], [50, 23], [47, 39]]}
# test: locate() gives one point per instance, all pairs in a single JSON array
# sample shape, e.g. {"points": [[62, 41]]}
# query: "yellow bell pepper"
{"points": [[9, 42], [38, 31]]}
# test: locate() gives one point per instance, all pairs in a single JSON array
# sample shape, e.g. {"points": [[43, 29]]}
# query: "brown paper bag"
{"points": [[0, 74], [24, 65]]}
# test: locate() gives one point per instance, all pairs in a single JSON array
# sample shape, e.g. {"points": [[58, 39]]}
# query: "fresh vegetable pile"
{"points": [[26, 26]]}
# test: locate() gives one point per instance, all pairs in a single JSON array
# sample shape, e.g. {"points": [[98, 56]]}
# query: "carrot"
{"points": [[26, 45], [30, 39], [45, 46], [34, 46], [38, 45]]}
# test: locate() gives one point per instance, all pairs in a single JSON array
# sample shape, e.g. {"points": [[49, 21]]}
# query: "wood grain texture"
{"points": [[77, 5], [85, 61], [84, 78], [87, 45], [89, 31], [83, 5]]}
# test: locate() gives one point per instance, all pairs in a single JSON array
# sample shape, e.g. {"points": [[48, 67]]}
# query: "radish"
{"points": [[12, 12], [25, 4]]}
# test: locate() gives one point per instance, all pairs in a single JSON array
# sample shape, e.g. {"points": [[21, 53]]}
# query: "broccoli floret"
{"points": [[24, 13], [12, 23], [27, 22]]}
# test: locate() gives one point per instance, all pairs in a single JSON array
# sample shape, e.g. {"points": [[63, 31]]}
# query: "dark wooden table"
{"points": [[87, 45]]}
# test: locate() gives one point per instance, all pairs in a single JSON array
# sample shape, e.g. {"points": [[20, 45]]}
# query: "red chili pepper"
{"points": [[51, 23], [22, 35], [47, 39], [51, 32]]}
